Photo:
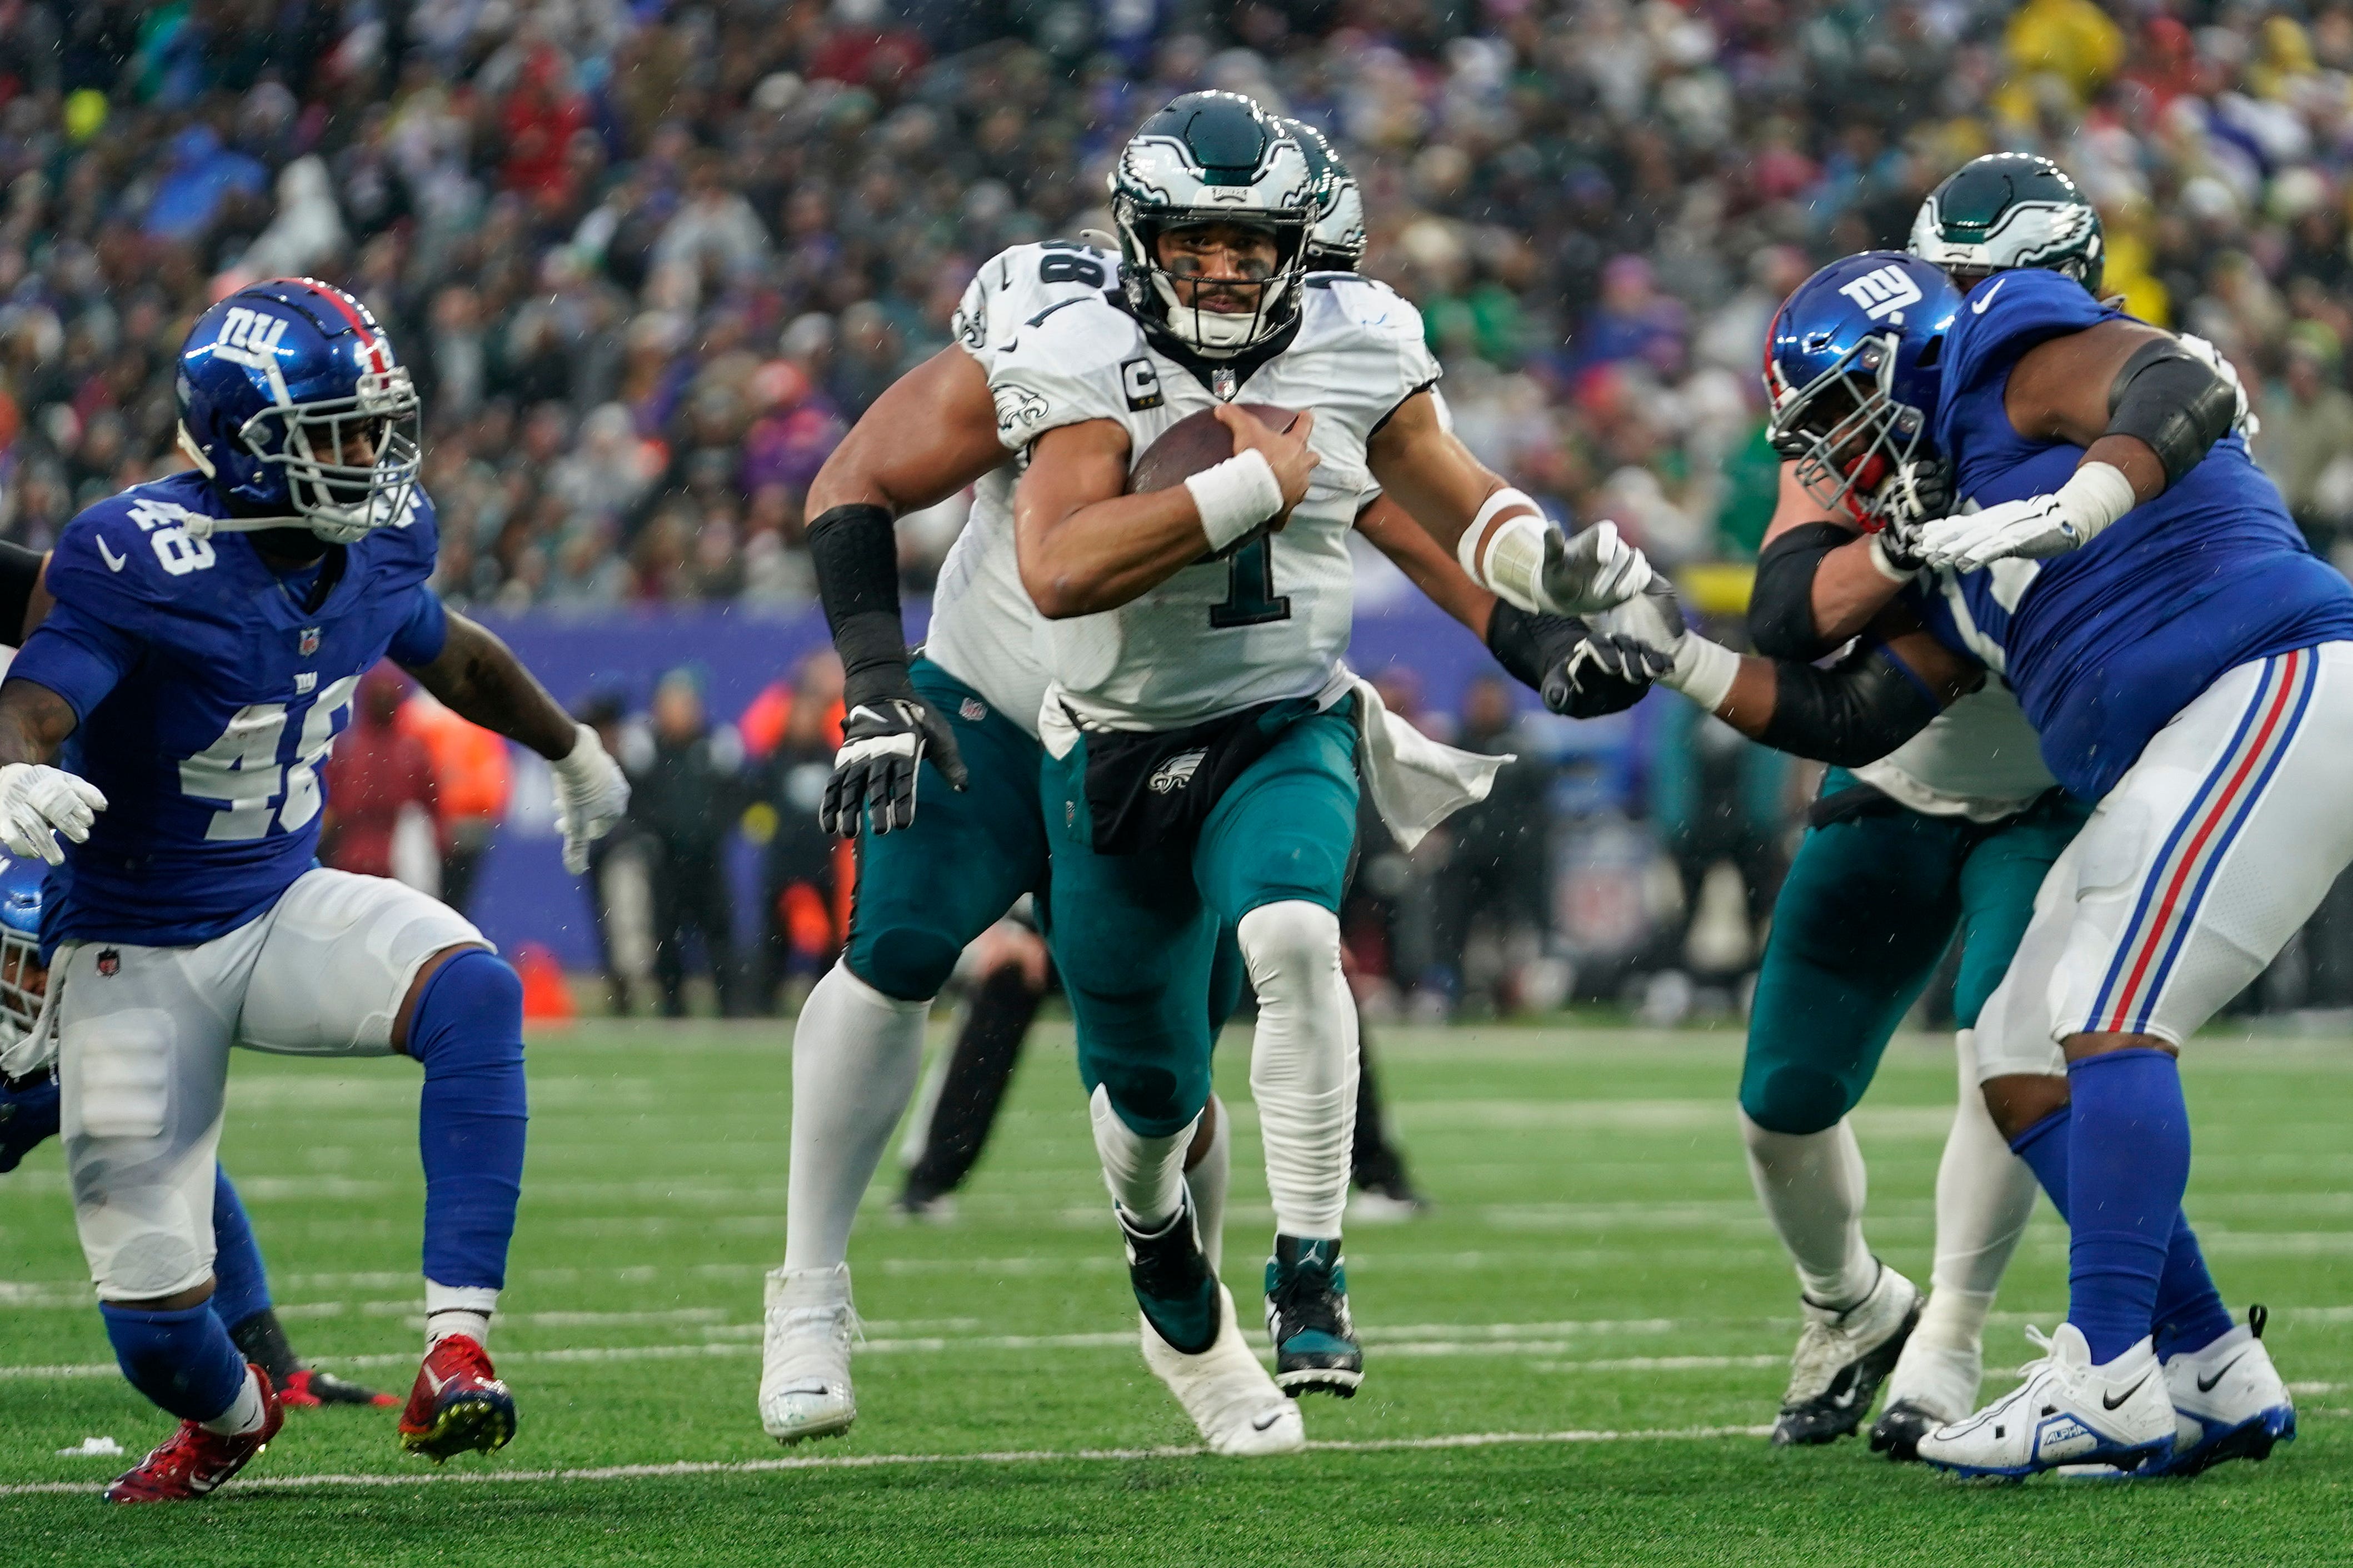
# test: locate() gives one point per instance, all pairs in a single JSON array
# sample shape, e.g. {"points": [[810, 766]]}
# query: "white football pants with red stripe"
{"points": [[2209, 853]]}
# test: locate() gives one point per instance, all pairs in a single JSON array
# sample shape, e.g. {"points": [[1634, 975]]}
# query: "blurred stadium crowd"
{"points": [[649, 260]]}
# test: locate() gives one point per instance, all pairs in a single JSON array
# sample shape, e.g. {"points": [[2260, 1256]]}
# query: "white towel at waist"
{"points": [[1416, 783]]}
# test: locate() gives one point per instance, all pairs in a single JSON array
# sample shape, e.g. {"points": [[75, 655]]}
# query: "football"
{"points": [[1196, 442]]}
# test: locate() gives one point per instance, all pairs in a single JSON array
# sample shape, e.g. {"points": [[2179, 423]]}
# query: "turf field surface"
{"points": [[1571, 1360]]}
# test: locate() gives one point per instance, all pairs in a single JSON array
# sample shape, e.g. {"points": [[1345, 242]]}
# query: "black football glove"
{"points": [[886, 732], [1554, 656], [28, 1113], [1637, 641]]}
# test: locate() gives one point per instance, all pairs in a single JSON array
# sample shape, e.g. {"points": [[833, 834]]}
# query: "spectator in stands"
{"points": [[806, 873], [686, 793], [379, 815]]}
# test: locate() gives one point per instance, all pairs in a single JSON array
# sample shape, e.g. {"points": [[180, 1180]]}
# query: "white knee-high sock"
{"points": [[1985, 1196], [1811, 1184], [1302, 1063], [856, 1054], [1205, 1179], [1145, 1174]]}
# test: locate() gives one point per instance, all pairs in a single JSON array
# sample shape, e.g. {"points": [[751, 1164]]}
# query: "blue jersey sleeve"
{"points": [[2003, 317], [420, 638], [79, 658]]}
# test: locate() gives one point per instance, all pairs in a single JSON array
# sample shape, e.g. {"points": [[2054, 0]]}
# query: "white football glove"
{"points": [[2243, 421], [2034, 528], [591, 795], [37, 803], [1592, 570]]}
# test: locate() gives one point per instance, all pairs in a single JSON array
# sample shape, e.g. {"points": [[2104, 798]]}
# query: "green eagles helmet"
{"points": [[2007, 210], [1337, 242], [1212, 157]]}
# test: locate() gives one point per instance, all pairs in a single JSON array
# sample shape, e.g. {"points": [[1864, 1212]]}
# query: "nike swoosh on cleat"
{"points": [[436, 1384], [2108, 1402], [1270, 1420], [2206, 1384]]}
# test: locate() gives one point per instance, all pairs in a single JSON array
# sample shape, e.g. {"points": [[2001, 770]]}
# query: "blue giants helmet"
{"points": [[293, 405], [28, 1100], [1851, 369]]}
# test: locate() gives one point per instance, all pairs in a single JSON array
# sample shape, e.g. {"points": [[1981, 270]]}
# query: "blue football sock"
{"points": [[2128, 1166], [240, 1286], [183, 1361], [467, 1034], [2190, 1310]]}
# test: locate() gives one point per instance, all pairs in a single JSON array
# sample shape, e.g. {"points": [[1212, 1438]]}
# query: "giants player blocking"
{"points": [[1202, 732], [209, 631]]}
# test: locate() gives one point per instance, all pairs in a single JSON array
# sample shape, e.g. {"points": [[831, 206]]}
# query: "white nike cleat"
{"points": [[2228, 1403], [1933, 1386], [1241, 1412], [2067, 1411], [805, 1356], [1842, 1358]]}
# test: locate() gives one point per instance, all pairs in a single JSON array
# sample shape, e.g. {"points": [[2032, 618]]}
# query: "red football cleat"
{"points": [[311, 1388], [194, 1461], [458, 1404]]}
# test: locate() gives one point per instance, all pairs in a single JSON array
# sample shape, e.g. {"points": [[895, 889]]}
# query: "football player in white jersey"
{"points": [[1203, 731], [930, 879]]}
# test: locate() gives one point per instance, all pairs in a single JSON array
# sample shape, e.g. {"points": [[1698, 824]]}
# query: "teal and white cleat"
{"points": [[805, 1390], [1315, 1349], [1933, 1386], [1239, 1410], [1844, 1354], [1173, 1282], [2228, 1403], [2068, 1413]]}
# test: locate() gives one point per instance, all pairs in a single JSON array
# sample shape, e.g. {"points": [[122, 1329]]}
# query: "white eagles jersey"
{"points": [[985, 631], [1272, 621], [1979, 759]]}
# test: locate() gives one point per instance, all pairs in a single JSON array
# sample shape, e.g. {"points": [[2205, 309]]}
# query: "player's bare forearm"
{"points": [[478, 677], [1444, 582], [2060, 390], [1428, 472], [1084, 547], [931, 432], [35, 721]]}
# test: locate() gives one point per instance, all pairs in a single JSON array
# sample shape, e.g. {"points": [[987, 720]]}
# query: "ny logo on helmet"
{"points": [[249, 337], [1883, 293]]}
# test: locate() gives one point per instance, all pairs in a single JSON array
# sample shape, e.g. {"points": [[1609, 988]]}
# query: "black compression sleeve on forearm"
{"points": [[2174, 403], [1856, 712], [1781, 604], [20, 573], [855, 550]]}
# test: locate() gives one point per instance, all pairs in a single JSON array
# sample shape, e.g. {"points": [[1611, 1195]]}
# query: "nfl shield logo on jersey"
{"points": [[109, 963], [1222, 384], [307, 643]]}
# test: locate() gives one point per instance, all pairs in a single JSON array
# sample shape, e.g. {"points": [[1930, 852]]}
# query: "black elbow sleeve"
{"points": [[855, 550], [1781, 604], [1854, 712], [2174, 401], [20, 573]]}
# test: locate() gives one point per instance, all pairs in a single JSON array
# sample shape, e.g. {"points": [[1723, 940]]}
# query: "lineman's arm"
{"points": [[1819, 581], [2144, 408], [1084, 546], [24, 591], [1537, 650], [931, 432], [1499, 535]]}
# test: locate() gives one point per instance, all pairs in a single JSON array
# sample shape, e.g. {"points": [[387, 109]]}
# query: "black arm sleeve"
{"points": [[20, 572], [1781, 605], [2173, 402], [855, 550], [1856, 712]]}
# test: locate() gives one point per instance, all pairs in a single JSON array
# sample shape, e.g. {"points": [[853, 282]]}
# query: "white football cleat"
{"points": [[805, 1355], [2067, 1411], [1842, 1358], [1241, 1412], [1933, 1386], [2228, 1403]]}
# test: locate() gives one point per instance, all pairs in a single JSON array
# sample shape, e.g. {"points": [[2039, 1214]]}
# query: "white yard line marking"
{"points": [[874, 1461]]}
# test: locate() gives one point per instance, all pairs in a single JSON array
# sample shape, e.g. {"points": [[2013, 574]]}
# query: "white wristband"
{"points": [[2096, 496], [1703, 671], [1235, 496]]}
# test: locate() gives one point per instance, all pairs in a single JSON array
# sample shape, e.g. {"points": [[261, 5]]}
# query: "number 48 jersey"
{"points": [[1271, 621], [206, 699]]}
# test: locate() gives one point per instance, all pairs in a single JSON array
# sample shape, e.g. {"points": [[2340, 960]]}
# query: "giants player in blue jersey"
{"points": [[2188, 665], [208, 633]]}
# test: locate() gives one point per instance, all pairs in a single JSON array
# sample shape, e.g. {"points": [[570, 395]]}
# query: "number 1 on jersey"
{"points": [[1250, 599]]}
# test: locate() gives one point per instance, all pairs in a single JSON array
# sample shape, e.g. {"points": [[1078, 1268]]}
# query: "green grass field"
{"points": [[1567, 1363]]}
